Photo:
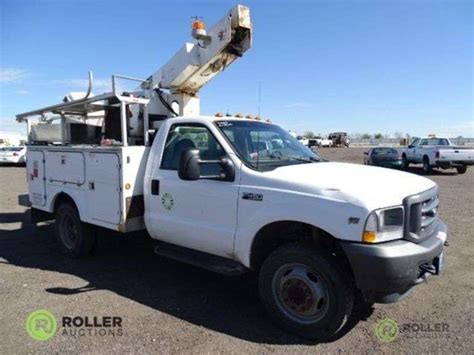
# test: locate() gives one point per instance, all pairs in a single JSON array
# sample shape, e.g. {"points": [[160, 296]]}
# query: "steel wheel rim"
{"points": [[301, 293], [68, 231]]}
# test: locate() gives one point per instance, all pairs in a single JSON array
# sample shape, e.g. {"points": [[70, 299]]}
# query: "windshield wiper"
{"points": [[306, 160]]}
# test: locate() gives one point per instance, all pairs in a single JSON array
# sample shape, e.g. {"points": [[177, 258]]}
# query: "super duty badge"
{"points": [[252, 196]]}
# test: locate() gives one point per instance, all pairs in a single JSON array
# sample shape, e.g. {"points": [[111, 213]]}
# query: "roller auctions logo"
{"points": [[41, 325], [386, 330]]}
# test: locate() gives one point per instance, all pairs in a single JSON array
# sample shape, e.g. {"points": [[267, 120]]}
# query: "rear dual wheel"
{"points": [[75, 238], [306, 292]]}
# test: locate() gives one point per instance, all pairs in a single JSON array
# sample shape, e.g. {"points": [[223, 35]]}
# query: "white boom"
{"points": [[197, 63]]}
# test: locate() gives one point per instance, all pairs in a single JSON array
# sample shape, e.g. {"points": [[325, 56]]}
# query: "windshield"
{"points": [[380, 151], [265, 146]]}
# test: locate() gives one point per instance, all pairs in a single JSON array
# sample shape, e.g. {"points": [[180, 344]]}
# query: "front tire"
{"points": [[306, 292], [75, 238], [461, 169], [405, 162]]}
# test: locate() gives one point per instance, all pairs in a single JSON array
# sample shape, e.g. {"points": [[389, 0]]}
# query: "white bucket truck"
{"points": [[317, 233]]}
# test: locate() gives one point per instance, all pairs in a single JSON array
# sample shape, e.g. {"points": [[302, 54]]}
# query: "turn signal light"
{"points": [[369, 237]]}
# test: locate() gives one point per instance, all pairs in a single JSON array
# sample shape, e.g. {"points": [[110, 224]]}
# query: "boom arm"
{"points": [[197, 63]]}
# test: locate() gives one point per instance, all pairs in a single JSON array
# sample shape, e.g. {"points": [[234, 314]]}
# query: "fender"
{"points": [[331, 216]]}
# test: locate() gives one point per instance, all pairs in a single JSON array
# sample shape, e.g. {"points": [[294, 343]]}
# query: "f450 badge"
{"points": [[252, 196]]}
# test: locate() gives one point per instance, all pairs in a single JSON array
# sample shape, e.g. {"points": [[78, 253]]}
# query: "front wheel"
{"points": [[405, 162], [461, 169], [306, 291]]}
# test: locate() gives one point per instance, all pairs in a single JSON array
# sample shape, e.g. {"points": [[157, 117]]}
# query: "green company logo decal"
{"points": [[167, 201], [41, 325], [386, 330]]}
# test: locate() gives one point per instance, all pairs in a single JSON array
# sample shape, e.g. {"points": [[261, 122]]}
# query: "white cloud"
{"points": [[22, 92], [12, 75]]}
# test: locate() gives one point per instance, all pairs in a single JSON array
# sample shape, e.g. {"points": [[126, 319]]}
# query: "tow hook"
{"points": [[428, 268]]}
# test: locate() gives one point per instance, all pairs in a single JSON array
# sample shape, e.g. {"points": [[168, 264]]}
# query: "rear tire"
{"points": [[461, 169], [426, 165], [306, 292], [75, 238]]}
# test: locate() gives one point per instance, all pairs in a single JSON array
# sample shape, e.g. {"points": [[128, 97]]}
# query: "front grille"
{"points": [[421, 215]]}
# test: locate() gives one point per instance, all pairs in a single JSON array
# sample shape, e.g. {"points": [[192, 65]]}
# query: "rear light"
{"points": [[437, 154]]}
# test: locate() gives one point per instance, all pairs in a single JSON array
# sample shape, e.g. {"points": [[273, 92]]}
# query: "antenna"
{"points": [[259, 97], [258, 128]]}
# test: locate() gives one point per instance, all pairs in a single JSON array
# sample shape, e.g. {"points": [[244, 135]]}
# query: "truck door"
{"points": [[199, 214], [421, 150], [411, 152]]}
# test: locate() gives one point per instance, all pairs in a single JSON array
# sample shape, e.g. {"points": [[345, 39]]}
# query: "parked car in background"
{"points": [[12, 155], [383, 156], [339, 139], [435, 152], [323, 142]]}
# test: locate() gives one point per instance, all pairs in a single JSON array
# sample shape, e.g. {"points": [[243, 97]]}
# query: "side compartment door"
{"points": [[103, 187], [199, 214], [36, 177]]}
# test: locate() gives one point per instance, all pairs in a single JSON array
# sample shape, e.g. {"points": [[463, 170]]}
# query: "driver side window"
{"points": [[186, 136]]}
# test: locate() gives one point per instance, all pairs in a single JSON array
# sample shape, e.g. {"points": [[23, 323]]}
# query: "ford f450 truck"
{"points": [[317, 233], [435, 152], [228, 194]]}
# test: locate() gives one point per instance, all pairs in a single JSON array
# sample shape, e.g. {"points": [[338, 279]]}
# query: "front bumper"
{"points": [[388, 163], [387, 272]]}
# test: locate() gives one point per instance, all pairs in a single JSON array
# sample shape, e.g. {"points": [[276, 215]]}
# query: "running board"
{"points": [[200, 259]]}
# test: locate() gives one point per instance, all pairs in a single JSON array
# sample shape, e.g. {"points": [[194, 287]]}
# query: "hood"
{"points": [[366, 186]]}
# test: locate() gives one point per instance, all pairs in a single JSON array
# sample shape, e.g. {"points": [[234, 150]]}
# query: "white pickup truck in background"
{"points": [[435, 152]]}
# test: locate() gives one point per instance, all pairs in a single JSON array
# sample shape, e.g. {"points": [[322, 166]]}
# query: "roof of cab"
{"points": [[224, 118]]}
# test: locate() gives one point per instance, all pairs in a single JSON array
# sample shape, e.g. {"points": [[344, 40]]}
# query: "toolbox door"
{"points": [[36, 178], [103, 187]]}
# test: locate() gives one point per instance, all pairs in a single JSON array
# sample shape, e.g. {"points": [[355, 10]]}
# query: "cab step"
{"points": [[200, 259]]}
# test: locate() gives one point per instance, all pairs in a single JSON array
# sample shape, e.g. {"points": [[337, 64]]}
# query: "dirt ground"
{"points": [[169, 307]]}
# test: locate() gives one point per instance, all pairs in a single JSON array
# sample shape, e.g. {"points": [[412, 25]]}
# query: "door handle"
{"points": [[155, 187]]}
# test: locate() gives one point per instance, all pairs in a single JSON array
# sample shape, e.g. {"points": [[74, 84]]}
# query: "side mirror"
{"points": [[366, 153], [410, 146], [189, 167]]}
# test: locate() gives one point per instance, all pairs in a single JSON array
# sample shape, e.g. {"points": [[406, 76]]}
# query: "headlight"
{"points": [[384, 225]]}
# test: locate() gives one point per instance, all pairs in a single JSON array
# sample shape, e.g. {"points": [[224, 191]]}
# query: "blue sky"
{"points": [[358, 66]]}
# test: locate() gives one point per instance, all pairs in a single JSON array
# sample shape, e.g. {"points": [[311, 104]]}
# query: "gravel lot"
{"points": [[173, 308]]}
